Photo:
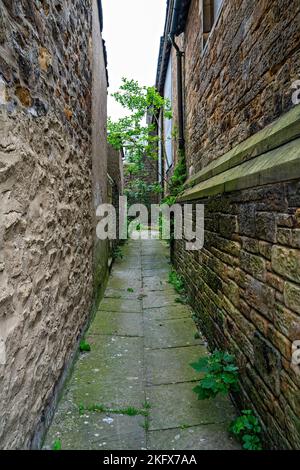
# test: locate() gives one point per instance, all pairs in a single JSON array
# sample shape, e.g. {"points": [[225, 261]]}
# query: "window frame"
{"points": [[214, 21]]}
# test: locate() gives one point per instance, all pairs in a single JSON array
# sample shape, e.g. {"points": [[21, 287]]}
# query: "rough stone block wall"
{"points": [[242, 80], [245, 288], [46, 202], [245, 283]]}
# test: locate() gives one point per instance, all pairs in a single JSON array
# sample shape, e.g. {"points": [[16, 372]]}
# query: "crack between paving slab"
{"points": [[188, 427], [116, 334], [162, 306], [167, 319], [173, 383], [176, 347], [119, 298], [117, 311]]}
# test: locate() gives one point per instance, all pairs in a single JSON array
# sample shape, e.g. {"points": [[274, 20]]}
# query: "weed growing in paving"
{"points": [[98, 408], [117, 253], [247, 429], [84, 346], [221, 375], [57, 445], [181, 300], [146, 424], [146, 405], [184, 426], [177, 282]]}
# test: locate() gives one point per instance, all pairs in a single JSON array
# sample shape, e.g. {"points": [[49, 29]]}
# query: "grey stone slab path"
{"points": [[133, 390]]}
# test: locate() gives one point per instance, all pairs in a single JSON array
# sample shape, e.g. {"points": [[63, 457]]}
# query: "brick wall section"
{"points": [[46, 202], [245, 288], [242, 81]]}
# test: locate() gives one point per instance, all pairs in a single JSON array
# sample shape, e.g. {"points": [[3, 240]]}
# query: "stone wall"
{"points": [[241, 81], [47, 201], [245, 289], [245, 283]]}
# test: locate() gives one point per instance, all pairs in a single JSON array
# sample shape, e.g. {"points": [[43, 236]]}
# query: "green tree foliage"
{"points": [[136, 134]]}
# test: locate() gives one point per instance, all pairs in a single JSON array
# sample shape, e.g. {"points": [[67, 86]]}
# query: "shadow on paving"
{"points": [[133, 390]]}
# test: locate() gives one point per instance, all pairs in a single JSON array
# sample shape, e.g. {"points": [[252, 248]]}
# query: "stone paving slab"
{"points": [[120, 305], [207, 437], [114, 323], [170, 333], [176, 405], [151, 262], [97, 431], [111, 374], [164, 366], [124, 283], [159, 299], [167, 313], [155, 283], [131, 267], [163, 272], [130, 275], [130, 293]]}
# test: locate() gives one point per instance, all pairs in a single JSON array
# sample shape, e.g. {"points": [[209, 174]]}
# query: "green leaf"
{"points": [[221, 374], [84, 346], [251, 442], [57, 445]]}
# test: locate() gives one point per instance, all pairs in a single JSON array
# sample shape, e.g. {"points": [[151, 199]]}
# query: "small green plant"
{"points": [[57, 445], [184, 426], [130, 289], [221, 375], [146, 424], [146, 405], [177, 282], [99, 408], [247, 429], [176, 182], [117, 253], [84, 346]]}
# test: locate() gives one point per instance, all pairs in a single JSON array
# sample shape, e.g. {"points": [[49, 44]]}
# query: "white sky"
{"points": [[132, 31]]}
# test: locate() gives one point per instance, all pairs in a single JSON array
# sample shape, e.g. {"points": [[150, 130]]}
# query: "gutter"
{"points": [[175, 16], [100, 12], [177, 12]]}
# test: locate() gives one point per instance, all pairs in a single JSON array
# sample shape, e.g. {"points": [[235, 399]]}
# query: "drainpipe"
{"points": [[179, 54]]}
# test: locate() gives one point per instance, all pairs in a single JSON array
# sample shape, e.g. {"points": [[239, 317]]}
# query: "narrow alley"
{"points": [[133, 390], [180, 115]]}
